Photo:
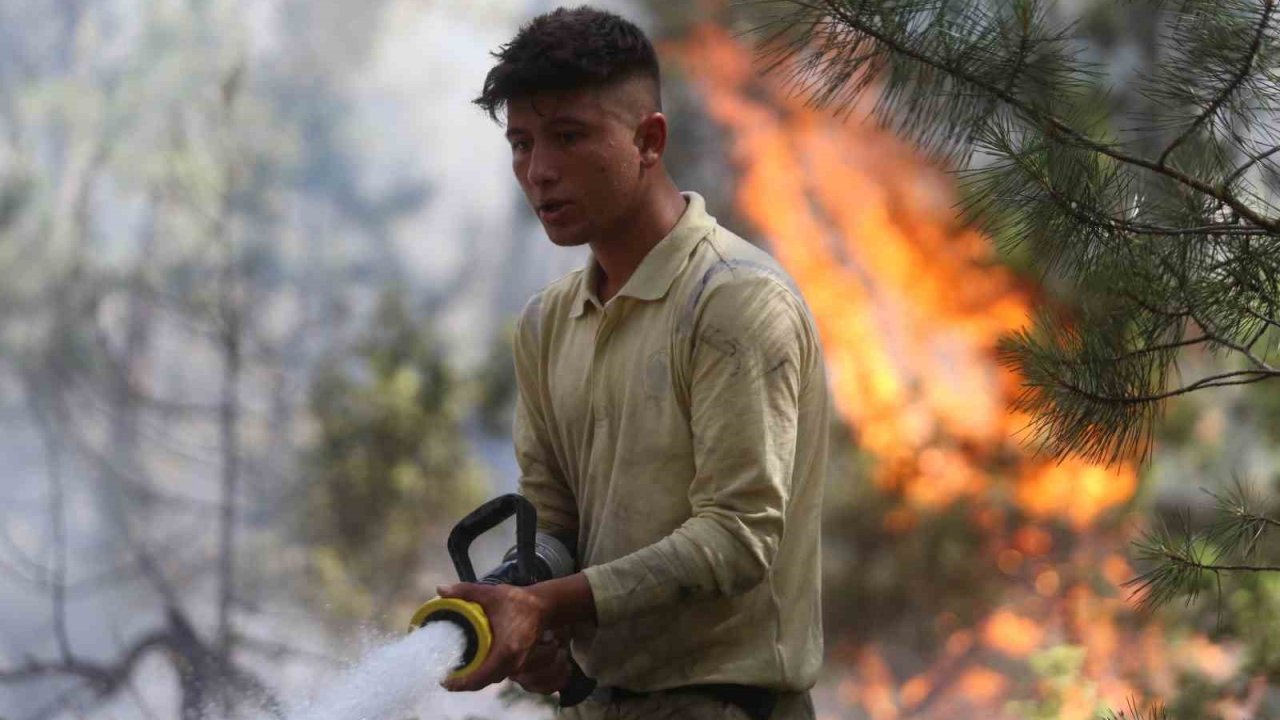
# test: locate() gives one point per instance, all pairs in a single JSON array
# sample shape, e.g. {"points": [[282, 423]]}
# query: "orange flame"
{"points": [[1013, 634]]}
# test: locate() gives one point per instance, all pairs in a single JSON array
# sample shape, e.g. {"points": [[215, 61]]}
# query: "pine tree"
{"points": [[1159, 215]]}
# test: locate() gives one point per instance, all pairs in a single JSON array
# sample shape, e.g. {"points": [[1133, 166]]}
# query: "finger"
{"points": [[494, 668], [462, 591], [481, 678]]}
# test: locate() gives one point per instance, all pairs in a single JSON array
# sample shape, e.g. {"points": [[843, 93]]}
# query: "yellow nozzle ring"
{"points": [[467, 615]]}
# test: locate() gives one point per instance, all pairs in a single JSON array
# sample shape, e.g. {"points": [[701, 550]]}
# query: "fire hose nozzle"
{"points": [[535, 558], [467, 616]]}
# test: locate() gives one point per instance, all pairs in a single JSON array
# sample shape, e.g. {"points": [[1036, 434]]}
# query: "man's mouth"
{"points": [[552, 210]]}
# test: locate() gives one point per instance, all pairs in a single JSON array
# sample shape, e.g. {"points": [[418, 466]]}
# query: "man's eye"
{"points": [[520, 145], [569, 137]]}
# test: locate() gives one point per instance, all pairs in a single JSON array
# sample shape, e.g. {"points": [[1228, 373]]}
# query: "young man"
{"points": [[672, 411]]}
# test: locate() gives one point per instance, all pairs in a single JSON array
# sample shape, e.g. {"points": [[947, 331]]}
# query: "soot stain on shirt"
{"points": [[726, 344], [776, 367], [688, 315]]}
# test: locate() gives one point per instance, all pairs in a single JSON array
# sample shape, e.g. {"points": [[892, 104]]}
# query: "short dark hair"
{"points": [[567, 50]]}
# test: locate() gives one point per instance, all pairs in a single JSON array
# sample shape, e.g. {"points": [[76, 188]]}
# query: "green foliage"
{"points": [[880, 583], [14, 195], [1266, 408], [497, 379], [1059, 674], [1194, 700], [1058, 671], [1255, 616], [389, 461]]}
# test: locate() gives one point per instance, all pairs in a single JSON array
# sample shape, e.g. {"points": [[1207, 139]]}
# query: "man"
{"points": [[672, 411]]}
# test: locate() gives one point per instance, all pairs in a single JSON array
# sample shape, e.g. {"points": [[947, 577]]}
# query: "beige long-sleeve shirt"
{"points": [[681, 430]]}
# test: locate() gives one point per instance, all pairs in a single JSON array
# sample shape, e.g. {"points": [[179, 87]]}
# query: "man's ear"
{"points": [[651, 138]]}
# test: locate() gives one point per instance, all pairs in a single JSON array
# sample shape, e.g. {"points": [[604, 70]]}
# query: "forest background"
{"points": [[258, 267]]}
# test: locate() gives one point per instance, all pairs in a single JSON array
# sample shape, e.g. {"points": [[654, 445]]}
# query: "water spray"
{"points": [[536, 557]]}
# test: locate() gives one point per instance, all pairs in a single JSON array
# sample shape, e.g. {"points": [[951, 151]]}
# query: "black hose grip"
{"points": [[485, 518], [579, 688]]}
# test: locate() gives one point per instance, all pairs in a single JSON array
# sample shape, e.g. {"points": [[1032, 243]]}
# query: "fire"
{"points": [[910, 306], [1013, 634]]}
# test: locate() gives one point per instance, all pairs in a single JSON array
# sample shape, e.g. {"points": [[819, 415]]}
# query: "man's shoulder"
{"points": [[555, 297], [727, 264]]}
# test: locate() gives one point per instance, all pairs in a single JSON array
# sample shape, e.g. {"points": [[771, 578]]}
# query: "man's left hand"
{"points": [[517, 618]]}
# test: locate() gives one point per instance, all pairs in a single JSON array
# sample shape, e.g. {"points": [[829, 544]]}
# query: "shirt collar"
{"points": [[659, 268]]}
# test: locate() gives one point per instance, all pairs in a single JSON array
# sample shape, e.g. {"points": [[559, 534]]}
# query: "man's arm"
{"points": [[753, 348], [542, 480]]}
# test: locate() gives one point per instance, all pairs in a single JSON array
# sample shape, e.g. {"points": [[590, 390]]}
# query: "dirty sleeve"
{"points": [[751, 348]]}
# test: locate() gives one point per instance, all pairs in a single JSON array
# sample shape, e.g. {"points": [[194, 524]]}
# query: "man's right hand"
{"points": [[546, 670]]}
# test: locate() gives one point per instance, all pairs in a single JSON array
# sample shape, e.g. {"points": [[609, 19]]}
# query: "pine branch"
{"points": [[1267, 322], [1155, 711], [1232, 86], [853, 22], [1086, 212], [1177, 571], [1151, 240], [1179, 563], [1096, 394], [1220, 380], [1253, 160], [1240, 526]]}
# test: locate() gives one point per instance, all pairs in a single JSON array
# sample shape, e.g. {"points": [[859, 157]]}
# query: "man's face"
{"points": [[576, 157]]}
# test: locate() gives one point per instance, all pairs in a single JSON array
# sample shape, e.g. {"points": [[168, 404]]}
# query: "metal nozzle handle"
{"points": [[485, 518]]}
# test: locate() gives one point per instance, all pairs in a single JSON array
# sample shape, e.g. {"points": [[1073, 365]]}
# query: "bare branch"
{"points": [[105, 679], [1220, 380], [1218, 338], [277, 649], [1159, 347], [231, 339], [1235, 174], [57, 518]]}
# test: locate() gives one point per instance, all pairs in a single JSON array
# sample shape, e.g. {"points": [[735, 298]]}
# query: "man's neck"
{"points": [[620, 255]]}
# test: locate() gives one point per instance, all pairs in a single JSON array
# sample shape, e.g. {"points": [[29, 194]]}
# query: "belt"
{"points": [[756, 702]]}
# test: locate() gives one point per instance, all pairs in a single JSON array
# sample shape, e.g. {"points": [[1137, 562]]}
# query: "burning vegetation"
{"points": [[1016, 605]]}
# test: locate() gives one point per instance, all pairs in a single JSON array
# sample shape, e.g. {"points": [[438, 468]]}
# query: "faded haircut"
{"points": [[569, 49]]}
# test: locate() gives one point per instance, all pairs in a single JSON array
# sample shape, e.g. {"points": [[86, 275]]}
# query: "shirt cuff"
{"points": [[606, 593]]}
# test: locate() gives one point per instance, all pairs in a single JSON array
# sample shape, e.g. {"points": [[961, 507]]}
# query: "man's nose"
{"points": [[542, 168]]}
